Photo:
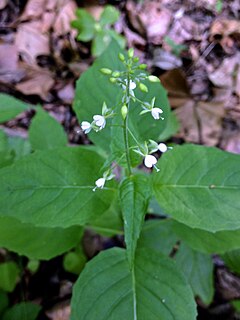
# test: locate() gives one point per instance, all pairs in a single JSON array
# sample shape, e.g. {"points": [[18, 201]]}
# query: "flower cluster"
{"points": [[99, 121]]}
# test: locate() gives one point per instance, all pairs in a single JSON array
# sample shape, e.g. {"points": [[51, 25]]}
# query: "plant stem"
{"points": [[125, 129]]}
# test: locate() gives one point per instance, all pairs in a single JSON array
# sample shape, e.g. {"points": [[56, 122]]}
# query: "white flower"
{"points": [[132, 85], [86, 126], [100, 121], [162, 147], [99, 183], [155, 113], [150, 161]]}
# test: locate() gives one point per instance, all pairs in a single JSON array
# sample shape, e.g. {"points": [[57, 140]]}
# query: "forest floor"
{"points": [[193, 46]]}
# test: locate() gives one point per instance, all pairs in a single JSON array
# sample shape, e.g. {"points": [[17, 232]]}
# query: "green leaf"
{"points": [[171, 128], [6, 158], [107, 289], [22, 311], [45, 132], [85, 24], [57, 189], [134, 197], [208, 242], [100, 43], [117, 37], [110, 15], [198, 269], [10, 107], [3, 141], [158, 235], [33, 242], [199, 186], [20, 146], [9, 273], [232, 260], [3, 302]]}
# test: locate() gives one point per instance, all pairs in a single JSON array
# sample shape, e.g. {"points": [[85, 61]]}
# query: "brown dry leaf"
{"points": [[38, 82], [201, 121], [223, 30], [3, 4], [150, 19], [31, 42], [66, 94], [60, 312], [64, 17], [9, 69], [165, 59], [232, 143], [175, 83], [33, 9]]}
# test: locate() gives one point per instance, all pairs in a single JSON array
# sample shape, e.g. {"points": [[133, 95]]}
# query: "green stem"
{"points": [[125, 130]]}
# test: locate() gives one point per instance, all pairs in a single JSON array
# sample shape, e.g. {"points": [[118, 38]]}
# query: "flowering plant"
{"points": [[57, 191]]}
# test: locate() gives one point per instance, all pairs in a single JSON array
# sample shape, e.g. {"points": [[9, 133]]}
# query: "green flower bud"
{"points": [[130, 53], [142, 66], [121, 57], [153, 79], [113, 80], [135, 59], [124, 111], [106, 71], [143, 88], [116, 74]]}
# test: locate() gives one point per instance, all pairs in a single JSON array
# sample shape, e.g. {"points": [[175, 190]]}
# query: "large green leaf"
{"points": [[9, 273], [154, 289], [10, 107], [22, 311], [53, 188], [134, 197], [158, 235], [232, 260], [198, 269], [200, 187], [208, 242], [93, 88], [45, 132], [33, 242]]}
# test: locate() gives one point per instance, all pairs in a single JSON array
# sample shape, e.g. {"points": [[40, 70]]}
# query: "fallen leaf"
{"points": [[165, 60], [150, 19], [66, 94], [64, 17], [33, 9], [38, 82], [31, 42], [3, 4], [59, 312], [201, 122]]}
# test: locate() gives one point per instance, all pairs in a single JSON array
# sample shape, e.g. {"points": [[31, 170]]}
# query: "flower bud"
{"points": [[124, 111], [106, 71], [130, 53], [116, 74], [121, 57], [135, 59], [143, 88], [153, 79], [113, 80], [142, 66]]}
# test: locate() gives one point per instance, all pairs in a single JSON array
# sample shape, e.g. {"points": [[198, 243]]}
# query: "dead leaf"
{"points": [[201, 121], [3, 4], [31, 42], [165, 60], [33, 9], [38, 82], [66, 94], [59, 312], [224, 31], [150, 19], [64, 17]]}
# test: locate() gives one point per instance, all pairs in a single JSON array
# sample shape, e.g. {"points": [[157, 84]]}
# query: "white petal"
{"points": [[150, 161], [155, 113], [132, 85], [162, 147], [100, 182], [99, 120], [85, 125]]}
